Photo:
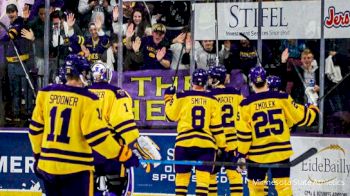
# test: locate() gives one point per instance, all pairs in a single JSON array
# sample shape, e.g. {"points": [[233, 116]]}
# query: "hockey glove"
{"points": [[169, 93], [127, 157], [147, 149]]}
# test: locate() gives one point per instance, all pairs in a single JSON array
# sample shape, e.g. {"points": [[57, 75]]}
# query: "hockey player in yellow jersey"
{"points": [[64, 129], [263, 132], [229, 100], [116, 106], [116, 109], [199, 131]]}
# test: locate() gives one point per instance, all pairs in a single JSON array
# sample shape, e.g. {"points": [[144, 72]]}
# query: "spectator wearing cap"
{"points": [[153, 49], [16, 74]]}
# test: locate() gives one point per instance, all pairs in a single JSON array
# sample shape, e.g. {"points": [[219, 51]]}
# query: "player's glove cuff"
{"points": [[170, 90]]}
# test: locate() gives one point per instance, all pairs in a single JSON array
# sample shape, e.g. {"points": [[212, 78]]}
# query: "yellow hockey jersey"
{"points": [[116, 107], [64, 126], [199, 119], [264, 122], [229, 100]]}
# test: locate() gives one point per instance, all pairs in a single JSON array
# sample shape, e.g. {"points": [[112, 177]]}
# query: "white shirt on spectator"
{"points": [[176, 50]]}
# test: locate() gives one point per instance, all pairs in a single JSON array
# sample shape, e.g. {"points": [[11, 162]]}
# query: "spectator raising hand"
{"points": [[98, 22], [180, 38], [70, 20], [160, 54], [26, 12], [29, 35], [136, 45], [284, 56], [130, 30]]}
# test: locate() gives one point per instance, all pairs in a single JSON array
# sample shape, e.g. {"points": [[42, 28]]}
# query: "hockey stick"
{"points": [[178, 62], [20, 61], [257, 54], [296, 161], [334, 87]]}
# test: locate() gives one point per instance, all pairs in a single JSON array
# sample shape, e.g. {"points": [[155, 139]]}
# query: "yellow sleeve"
{"points": [[216, 126], [122, 119], [297, 114], [172, 108], [97, 132], [36, 126], [244, 130]]}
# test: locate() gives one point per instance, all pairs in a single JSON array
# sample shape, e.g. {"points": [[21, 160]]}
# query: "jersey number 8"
{"points": [[198, 115]]}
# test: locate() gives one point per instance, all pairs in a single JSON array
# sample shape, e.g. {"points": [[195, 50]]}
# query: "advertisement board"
{"points": [[280, 20], [326, 173]]}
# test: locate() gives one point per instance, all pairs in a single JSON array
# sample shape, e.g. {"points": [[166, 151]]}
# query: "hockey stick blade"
{"points": [[293, 163]]}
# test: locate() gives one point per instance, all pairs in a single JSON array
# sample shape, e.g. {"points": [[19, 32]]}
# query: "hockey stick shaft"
{"points": [[293, 163], [178, 64], [334, 87]]}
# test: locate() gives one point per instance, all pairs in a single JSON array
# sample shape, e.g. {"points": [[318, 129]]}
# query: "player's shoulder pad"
{"points": [[70, 89], [264, 95]]}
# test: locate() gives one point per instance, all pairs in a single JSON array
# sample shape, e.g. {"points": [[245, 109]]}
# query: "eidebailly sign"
{"points": [[327, 172], [280, 20]]}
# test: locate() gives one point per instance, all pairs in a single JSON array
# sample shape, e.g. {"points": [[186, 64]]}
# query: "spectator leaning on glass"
{"points": [[308, 72], [17, 79], [153, 49]]}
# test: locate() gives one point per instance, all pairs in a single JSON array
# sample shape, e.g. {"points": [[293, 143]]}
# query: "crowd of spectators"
{"points": [[155, 35]]}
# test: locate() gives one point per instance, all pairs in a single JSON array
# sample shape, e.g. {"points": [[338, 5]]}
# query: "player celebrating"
{"points": [[199, 131], [263, 132], [64, 129], [229, 100]]}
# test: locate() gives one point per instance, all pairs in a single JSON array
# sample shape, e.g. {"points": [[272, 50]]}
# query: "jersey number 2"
{"points": [[63, 136], [268, 119]]}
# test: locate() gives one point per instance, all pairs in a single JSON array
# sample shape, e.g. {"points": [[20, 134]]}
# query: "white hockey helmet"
{"points": [[100, 72]]}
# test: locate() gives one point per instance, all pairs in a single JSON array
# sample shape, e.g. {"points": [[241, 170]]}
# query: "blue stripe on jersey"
{"points": [[243, 133], [66, 160], [215, 126], [123, 124], [244, 139], [218, 132], [231, 135], [308, 119], [98, 141], [32, 132], [194, 93], [97, 132], [70, 89], [264, 95], [193, 130], [271, 144], [127, 129], [302, 120], [270, 151], [196, 136], [64, 152], [36, 124]]}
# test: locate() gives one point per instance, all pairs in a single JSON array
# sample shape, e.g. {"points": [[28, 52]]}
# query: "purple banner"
{"points": [[147, 89]]}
